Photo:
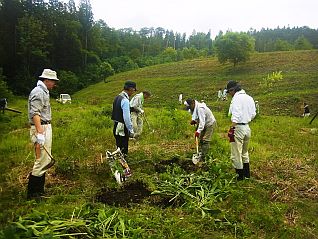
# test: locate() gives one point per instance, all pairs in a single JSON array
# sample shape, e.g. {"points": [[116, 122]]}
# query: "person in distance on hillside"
{"points": [[136, 111], [220, 95], [205, 120], [39, 112], [224, 96], [180, 98], [242, 110], [123, 128], [306, 110]]}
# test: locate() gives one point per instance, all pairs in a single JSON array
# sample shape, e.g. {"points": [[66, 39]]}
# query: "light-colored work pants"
{"points": [[42, 159], [137, 122], [239, 148]]}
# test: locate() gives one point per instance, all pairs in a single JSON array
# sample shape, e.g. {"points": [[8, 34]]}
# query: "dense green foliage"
{"points": [[279, 201], [41, 34], [234, 47]]}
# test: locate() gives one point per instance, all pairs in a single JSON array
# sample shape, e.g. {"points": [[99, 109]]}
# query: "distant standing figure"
{"points": [[306, 110], [136, 111], [180, 98], [220, 95], [242, 110], [123, 128], [224, 97], [257, 106], [40, 117]]}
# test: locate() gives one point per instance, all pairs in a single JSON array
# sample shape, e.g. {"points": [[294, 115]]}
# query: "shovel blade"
{"points": [[196, 158]]}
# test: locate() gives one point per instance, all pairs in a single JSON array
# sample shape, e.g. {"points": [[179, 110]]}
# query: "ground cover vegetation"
{"points": [[167, 197], [65, 37]]}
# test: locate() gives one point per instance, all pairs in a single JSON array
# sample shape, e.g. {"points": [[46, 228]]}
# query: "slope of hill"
{"points": [[203, 77], [167, 196]]}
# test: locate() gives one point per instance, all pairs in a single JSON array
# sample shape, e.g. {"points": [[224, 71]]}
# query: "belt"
{"points": [[43, 122], [241, 123]]}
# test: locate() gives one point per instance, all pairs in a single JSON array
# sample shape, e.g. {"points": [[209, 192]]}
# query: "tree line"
{"points": [[37, 34]]}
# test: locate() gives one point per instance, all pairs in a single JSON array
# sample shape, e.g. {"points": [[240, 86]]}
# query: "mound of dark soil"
{"points": [[186, 165], [134, 192]]}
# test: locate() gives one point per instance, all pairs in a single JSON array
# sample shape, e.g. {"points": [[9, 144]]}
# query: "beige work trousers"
{"points": [[137, 122], [239, 148], [43, 159]]}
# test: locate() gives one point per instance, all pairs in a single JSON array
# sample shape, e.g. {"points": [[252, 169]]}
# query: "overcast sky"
{"points": [[204, 15]]}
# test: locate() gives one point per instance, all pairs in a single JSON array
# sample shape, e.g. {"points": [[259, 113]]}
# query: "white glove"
{"points": [[40, 139], [142, 111]]}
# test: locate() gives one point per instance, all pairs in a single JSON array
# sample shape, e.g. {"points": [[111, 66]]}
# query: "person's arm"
{"points": [[126, 115], [37, 123], [201, 116]]}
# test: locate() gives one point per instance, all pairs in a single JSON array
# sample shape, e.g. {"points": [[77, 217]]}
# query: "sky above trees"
{"points": [[204, 15]]}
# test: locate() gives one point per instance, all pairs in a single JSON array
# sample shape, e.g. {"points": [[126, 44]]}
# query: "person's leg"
{"points": [[245, 155], [134, 120], [42, 159], [205, 140], [140, 123], [236, 152]]}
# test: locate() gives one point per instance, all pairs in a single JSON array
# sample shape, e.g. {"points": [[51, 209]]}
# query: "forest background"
{"points": [[37, 34]]}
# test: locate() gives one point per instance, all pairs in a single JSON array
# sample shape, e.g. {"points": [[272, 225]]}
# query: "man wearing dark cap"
{"points": [[204, 118], [123, 128], [242, 110], [39, 110]]}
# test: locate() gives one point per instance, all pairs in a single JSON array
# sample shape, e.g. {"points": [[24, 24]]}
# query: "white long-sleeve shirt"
{"points": [[242, 108], [203, 115]]}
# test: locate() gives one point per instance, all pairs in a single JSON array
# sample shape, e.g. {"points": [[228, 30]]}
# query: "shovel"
{"points": [[197, 156]]}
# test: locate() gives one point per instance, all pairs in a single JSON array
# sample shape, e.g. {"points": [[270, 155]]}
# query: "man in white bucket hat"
{"points": [[39, 112]]}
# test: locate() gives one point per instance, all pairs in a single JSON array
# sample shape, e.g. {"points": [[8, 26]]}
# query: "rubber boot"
{"points": [[246, 167], [240, 173], [35, 186]]}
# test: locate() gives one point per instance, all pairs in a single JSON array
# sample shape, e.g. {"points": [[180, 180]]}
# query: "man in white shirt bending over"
{"points": [[242, 110]]}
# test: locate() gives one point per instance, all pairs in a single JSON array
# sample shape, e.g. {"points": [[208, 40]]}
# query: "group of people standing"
{"points": [[128, 122]]}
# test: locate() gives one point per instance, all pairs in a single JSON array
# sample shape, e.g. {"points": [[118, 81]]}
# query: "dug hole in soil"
{"points": [[137, 191], [134, 192]]}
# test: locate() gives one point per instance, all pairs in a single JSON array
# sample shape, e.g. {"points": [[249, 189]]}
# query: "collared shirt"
{"points": [[39, 103], [242, 108], [126, 111], [137, 102], [203, 115]]}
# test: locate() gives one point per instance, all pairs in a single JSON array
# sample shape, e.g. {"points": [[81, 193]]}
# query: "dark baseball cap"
{"points": [[130, 84], [231, 85]]}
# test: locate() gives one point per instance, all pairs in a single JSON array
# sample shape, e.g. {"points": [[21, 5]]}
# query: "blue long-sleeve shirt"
{"points": [[126, 112]]}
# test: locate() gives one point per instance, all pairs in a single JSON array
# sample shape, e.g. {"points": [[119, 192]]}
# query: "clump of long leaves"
{"points": [[85, 222], [199, 191]]}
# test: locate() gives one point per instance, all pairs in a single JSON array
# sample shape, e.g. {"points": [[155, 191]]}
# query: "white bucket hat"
{"points": [[49, 74]]}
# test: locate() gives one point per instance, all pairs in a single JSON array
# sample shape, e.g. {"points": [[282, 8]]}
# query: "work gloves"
{"points": [[40, 139], [142, 112], [230, 134], [196, 134], [193, 122]]}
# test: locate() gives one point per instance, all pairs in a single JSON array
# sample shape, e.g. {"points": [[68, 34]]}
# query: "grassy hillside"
{"points": [[167, 197], [203, 77]]}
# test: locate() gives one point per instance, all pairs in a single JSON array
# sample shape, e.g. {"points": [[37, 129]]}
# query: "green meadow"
{"points": [[167, 196]]}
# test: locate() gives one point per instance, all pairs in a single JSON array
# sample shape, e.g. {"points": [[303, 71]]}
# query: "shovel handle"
{"points": [[48, 152], [197, 144]]}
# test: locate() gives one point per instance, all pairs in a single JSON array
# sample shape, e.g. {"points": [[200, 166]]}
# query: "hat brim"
{"points": [[48, 78]]}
